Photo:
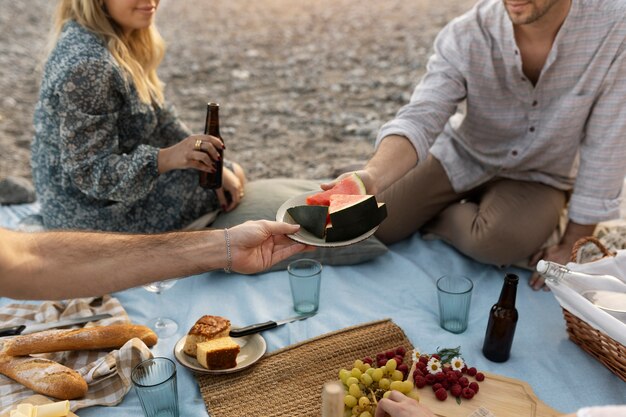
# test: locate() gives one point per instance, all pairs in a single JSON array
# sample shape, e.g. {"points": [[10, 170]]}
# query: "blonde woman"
{"points": [[108, 154]]}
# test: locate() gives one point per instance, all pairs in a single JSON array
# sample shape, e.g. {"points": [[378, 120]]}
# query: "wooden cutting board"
{"points": [[34, 400], [501, 395]]}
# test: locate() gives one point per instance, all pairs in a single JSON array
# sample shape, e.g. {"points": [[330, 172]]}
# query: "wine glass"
{"points": [[163, 326]]}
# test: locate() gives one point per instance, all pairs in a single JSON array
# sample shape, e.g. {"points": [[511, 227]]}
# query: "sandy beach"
{"points": [[304, 86]]}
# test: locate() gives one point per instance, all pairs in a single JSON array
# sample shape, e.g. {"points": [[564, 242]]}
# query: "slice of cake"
{"points": [[218, 353], [206, 328]]}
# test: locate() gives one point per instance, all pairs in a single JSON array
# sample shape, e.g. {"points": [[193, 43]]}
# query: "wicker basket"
{"points": [[602, 347]]}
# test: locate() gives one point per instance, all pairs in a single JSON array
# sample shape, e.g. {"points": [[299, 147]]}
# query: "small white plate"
{"points": [[252, 349], [303, 236]]}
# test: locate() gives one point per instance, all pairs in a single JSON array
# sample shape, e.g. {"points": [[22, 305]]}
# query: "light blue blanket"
{"points": [[400, 285]]}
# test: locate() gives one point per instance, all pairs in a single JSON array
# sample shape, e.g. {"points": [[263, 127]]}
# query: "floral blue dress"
{"points": [[94, 155]]}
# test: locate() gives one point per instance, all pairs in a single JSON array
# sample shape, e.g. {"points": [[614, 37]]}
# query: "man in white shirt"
{"points": [[543, 85]]}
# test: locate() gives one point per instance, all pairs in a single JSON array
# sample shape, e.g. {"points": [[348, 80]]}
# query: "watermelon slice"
{"points": [[349, 185], [311, 218], [345, 209]]}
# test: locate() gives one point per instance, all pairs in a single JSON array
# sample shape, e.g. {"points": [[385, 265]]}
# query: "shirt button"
{"points": [[535, 103], [523, 79], [516, 52], [532, 128], [514, 152]]}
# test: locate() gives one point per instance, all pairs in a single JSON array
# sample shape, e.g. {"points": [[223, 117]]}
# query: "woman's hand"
{"points": [[399, 405], [257, 245], [193, 152], [232, 185]]}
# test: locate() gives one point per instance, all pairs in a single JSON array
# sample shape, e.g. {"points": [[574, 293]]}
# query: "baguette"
{"points": [[44, 376], [89, 338]]}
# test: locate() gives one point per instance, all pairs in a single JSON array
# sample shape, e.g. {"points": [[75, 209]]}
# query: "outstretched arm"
{"points": [[57, 265]]}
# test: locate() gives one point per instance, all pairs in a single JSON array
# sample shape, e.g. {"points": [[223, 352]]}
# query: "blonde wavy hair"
{"points": [[139, 54]]}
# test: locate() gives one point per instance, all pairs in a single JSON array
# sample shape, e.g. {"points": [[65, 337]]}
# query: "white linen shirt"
{"points": [[567, 131]]}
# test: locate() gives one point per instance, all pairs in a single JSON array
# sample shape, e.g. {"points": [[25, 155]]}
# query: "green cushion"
{"points": [[261, 202]]}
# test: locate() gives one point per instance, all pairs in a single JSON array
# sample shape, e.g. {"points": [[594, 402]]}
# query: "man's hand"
{"points": [[558, 253], [257, 245]]}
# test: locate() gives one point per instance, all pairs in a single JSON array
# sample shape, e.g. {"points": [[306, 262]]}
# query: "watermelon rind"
{"points": [[339, 233], [349, 185], [310, 218]]}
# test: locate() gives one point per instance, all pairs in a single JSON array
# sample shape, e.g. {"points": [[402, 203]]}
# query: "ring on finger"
{"points": [[198, 145]]}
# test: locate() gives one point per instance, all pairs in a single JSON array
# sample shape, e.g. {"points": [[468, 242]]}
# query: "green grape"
{"points": [[391, 365], [396, 386], [384, 384], [364, 402], [370, 371], [397, 375], [387, 394], [344, 374], [365, 367], [355, 391], [407, 386], [356, 410], [357, 363], [351, 380], [377, 375], [366, 380], [347, 413], [349, 400], [365, 414], [356, 372]]}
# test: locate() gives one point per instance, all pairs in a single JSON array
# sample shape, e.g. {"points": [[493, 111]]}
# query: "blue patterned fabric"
{"points": [[94, 155]]}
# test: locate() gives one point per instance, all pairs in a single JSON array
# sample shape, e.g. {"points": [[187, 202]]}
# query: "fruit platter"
{"points": [[442, 381], [340, 216]]}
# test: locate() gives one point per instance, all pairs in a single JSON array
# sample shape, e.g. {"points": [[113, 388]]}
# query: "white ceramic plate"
{"points": [[252, 349], [306, 237]]}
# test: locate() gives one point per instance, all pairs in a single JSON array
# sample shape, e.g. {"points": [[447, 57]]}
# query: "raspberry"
{"points": [[404, 368], [399, 359], [464, 369], [474, 386], [380, 356], [472, 371], [368, 360], [445, 384], [452, 378], [441, 394], [464, 382], [456, 390], [480, 376], [468, 393], [436, 357], [400, 350], [417, 372], [421, 366], [382, 362], [424, 359], [440, 376], [420, 381], [430, 379], [390, 354], [437, 386], [458, 374]]}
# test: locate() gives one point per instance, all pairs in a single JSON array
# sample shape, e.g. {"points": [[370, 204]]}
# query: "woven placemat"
{"points": [[288, 382]]}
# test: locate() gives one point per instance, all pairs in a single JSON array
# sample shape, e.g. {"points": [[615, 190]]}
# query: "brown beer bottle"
{"points": [[502, 322], [212, 127]]}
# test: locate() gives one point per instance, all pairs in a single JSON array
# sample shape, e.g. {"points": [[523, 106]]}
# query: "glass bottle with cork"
{"points": [[212, 128], [502, 322]]}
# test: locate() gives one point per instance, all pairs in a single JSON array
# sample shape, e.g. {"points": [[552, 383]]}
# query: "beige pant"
{"points": [[501, 222]]}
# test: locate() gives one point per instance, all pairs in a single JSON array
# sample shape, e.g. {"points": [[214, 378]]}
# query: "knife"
{"points": [[33, 328], [259, 327]]}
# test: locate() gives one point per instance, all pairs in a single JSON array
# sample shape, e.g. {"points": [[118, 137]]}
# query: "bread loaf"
{"points": [[89, 338], [44, 376]]}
